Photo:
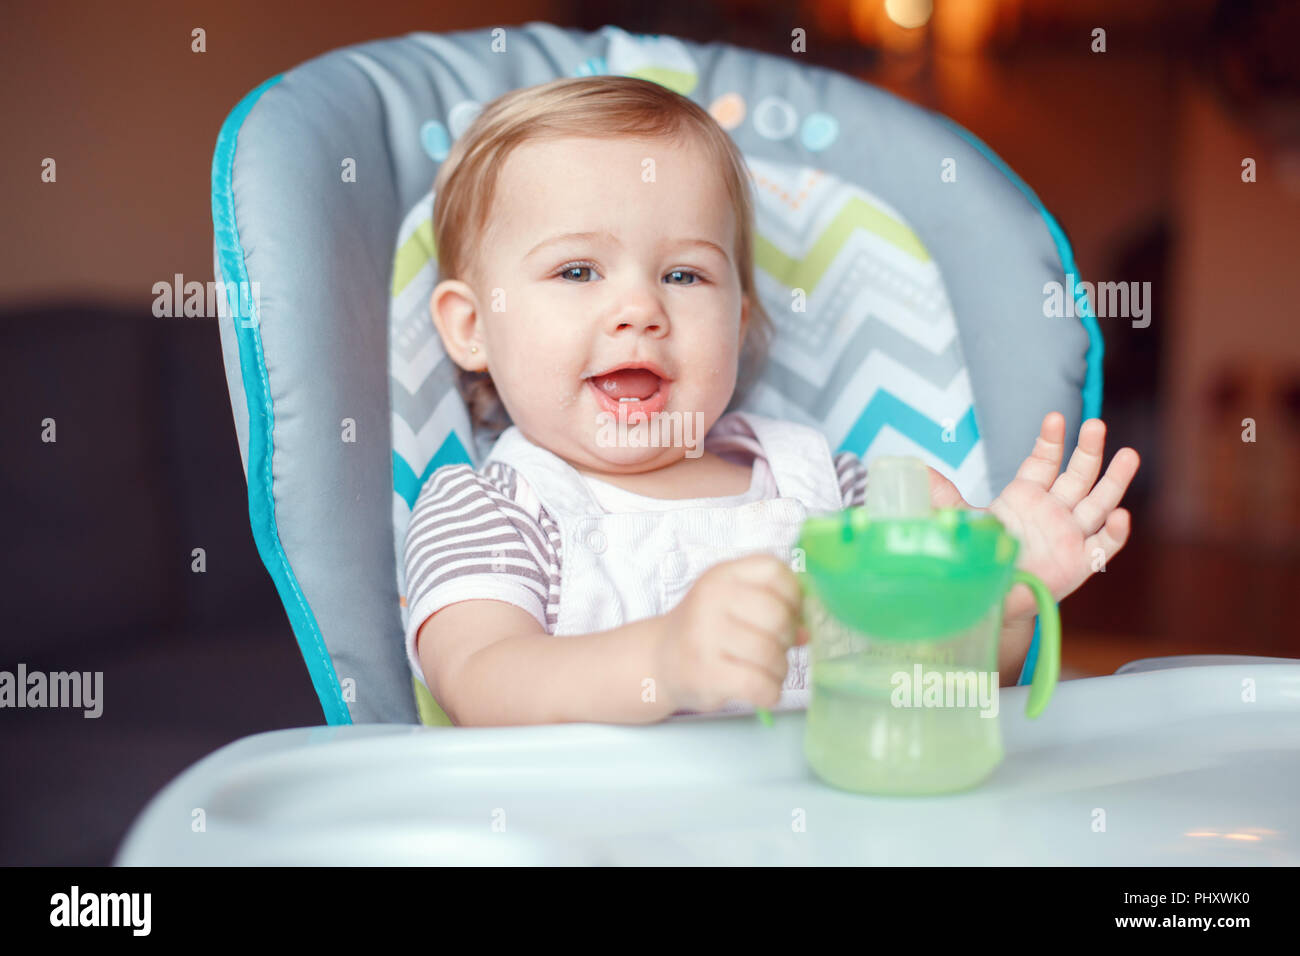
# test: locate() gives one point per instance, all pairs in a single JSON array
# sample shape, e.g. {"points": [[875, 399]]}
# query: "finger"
{"points": [[1085, 464], [1044, 462], [756, 689], [943, 493], [763, 609], [1112, 536], [767, 572], [753, 647], [1092, 511]]}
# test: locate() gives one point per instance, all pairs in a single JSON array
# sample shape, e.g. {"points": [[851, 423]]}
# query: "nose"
{"points": [[638, 308]]}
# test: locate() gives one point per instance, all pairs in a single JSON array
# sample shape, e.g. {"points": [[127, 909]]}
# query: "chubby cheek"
{"points": [[709, 381], [540, 376], [716, 360]]}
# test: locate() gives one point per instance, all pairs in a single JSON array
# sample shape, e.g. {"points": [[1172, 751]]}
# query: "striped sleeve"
{"points": [[479, 536], [853, 479]]}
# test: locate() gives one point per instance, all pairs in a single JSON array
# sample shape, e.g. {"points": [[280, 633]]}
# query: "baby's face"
{"points": [[652, 280]]}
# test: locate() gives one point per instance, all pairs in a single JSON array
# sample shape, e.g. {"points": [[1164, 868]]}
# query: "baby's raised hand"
{"points": [[728, 637], [1067, 528]]}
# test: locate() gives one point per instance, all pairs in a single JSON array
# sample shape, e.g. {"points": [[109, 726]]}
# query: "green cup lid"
{"points": [[909, 578]]}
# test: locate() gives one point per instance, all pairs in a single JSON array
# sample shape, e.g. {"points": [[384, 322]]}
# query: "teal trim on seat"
{"points": [[261, 416], [1096, 346]]}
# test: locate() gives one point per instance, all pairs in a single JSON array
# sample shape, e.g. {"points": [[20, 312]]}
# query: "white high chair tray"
{"points": [[1165, 767]]}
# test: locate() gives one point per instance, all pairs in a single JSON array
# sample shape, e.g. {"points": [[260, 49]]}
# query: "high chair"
{"points": [[921, 263]]}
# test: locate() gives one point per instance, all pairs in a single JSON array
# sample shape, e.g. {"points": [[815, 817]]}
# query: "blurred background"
{"points": [[1167, 146]]}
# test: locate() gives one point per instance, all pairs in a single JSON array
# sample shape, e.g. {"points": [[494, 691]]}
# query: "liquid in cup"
{"points": [[865, 732]]}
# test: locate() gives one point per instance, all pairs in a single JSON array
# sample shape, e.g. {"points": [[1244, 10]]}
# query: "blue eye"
{"points": [[685, 272]]}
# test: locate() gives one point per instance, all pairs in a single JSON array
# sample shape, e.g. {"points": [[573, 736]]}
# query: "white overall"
{"points": [[619, 568]]}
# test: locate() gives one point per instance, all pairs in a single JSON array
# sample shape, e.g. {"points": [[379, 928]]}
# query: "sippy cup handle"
{"points": [[1048, 667]]}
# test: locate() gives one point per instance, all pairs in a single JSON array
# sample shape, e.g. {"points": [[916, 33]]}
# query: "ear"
{"points": [[744, 318], [455, 312]]}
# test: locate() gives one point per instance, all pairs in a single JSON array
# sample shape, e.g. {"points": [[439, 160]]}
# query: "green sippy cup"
{"points": [[903, 607]]}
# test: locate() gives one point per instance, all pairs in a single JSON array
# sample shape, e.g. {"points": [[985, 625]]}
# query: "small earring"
{"points": [[473, 349]]}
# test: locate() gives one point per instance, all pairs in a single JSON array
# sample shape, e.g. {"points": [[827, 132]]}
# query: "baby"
{"points": [[595, 239]]}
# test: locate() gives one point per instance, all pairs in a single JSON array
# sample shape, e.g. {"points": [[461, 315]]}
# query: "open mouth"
{"points": [[631, 388]]}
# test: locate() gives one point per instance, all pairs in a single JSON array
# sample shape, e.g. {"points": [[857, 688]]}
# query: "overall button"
{"points": [[596, 540]]}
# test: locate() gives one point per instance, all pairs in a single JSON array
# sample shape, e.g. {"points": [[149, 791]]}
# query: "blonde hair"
{"points": [[583, 107]]}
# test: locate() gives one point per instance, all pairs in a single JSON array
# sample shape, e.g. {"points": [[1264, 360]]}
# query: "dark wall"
{"points": [[101, 523]]}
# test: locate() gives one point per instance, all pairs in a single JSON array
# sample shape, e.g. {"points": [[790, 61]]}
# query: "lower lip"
{"points": [[647, 406]]}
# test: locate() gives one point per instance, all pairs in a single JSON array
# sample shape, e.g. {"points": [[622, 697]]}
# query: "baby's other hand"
{"points": [[1064, 523], [728, 636]]}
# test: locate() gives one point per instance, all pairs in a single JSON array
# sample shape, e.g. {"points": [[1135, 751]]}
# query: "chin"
{"points": [[663, 441], [636, 457]]}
